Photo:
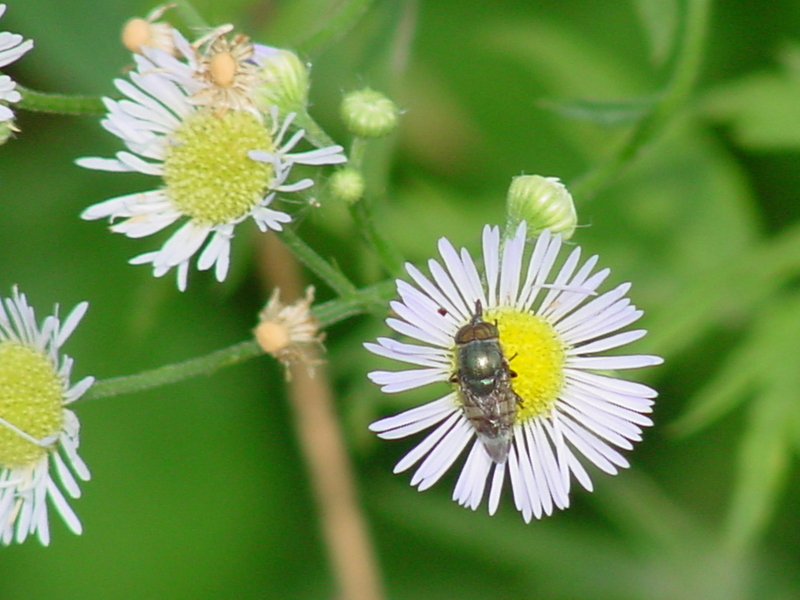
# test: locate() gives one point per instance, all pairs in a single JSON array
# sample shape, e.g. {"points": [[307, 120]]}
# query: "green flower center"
{"points": [[31, 399], [208, 174], [536, 354]]}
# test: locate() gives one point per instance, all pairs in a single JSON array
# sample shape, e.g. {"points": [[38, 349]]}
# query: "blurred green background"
{"points": [[199, 490]]}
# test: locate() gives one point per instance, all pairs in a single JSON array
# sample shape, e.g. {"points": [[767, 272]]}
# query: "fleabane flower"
{"points": [[38, 434], [521, 354], [218, 168], [12, 47]]}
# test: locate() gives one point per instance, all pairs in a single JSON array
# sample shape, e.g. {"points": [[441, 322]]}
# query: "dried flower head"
{"points": [[227, 70], [289, 332], [149, 32]]}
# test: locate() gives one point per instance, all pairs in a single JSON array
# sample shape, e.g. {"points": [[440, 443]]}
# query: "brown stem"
{"points": [[346, 537]]}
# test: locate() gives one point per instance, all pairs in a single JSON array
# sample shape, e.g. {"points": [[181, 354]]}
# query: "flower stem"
{"points": [[205, 365], [369, 299], [390, 257], [314, 133], [673, 98], [361, 212], [189, 15], [321, 267], [59, 103], [336, 26]]}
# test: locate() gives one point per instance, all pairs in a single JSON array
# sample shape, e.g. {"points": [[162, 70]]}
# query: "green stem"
{"points": [[389, 256], [318, 265], [370, 299], [314, 133], [205, 365], [58, 103], [674, 97], [361, 212], [190, 17], [336, 26], [358, 149]]}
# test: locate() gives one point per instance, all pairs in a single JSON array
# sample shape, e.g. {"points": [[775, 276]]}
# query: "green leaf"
{"points": [[762, 109], [762, 467]]}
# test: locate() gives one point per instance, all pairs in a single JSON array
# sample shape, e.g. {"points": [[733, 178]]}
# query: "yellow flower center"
{"points": [[535, 353], [208, 174], [31, 399]]}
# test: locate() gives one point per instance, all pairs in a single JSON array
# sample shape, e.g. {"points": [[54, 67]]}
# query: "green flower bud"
{"points": [[543, 202], [284, 80], [347, 184], [369, 114]]}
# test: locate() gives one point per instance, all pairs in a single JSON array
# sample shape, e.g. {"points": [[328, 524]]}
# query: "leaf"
{"points": [[762, 468], [762, 109]]}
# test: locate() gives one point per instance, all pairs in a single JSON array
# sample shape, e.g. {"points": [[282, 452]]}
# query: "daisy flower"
{"points": [[526, 391], [218, 167], [12, 47], [38, 434]]}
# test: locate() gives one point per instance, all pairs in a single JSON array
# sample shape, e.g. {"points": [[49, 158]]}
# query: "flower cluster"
{"points": [[195, 119]]}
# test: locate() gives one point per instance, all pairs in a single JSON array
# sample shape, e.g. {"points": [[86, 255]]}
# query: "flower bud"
{"points": [[347, 184], [543, 202], [284, 80], [369, 114]]}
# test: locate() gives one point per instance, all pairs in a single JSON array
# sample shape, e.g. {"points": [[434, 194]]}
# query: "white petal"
{"points": [[429, 442], [611, 363], [400, 381]]}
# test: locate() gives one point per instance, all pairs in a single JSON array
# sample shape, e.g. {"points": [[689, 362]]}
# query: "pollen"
{"points": [[208, 174], [31, 400], [536, 354]]}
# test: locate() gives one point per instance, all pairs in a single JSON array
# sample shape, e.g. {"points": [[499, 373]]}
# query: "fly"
{"points": [[484, 382]]}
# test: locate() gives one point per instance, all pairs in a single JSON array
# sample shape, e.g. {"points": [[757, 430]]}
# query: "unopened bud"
{"points": [[347, 184], [284, 80], [369, 114], [543, 202]]}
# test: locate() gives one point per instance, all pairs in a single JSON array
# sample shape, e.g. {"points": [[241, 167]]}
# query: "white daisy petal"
{"points": [[414, 354], [609, 343], [491, 262], [440, 408], [584, 417], [429, 442], [497, 486], [400, 381], [510, 268], [443, 455]]}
